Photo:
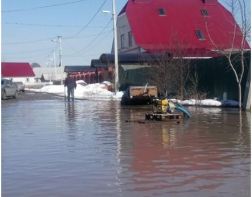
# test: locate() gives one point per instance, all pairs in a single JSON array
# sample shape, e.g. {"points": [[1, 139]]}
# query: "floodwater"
{"points": [[98, 148]]}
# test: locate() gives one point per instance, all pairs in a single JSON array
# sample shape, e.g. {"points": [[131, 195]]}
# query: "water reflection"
{"points": [[196, 155], [70, 111], [102, 149], [168, 137], [70, 114]]}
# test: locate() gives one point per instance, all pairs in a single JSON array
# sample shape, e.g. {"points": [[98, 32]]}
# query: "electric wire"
{"points": [[48, 25], [28, 42], [90, 21], [65, 37], [40, 25], [24, 51], [105, 34], [42, 7], [93, 40], [76, 35]]}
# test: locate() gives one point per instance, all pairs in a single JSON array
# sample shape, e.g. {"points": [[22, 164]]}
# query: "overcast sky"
{"points": [[30, 29]]}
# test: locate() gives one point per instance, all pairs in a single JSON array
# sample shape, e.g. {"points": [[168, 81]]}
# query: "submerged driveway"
{"points": [[99, 148]]}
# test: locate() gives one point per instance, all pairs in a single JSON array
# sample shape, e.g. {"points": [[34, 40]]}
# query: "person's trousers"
{"points": [[70, 93]]}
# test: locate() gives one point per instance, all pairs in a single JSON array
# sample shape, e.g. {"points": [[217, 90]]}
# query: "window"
{"points": [[199, 34], [208, 1], [204, 12], [161, 12], [122, 41], [130, 39]]}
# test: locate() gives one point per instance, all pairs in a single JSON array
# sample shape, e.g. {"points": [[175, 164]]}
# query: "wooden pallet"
{"points": [[160, 117]]}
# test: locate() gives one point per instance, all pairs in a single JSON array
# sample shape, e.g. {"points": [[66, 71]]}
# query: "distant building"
{"points": [[95, 73], [18, 71], [46, 74]]}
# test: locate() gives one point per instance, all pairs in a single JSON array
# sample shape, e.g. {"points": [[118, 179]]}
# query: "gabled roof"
{"points": [[96, 63], [16, 69], [123, 9], [171, 24], [78, 69], [127, 58]]}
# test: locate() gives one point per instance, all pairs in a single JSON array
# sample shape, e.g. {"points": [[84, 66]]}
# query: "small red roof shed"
{"points": [[16, 69]]}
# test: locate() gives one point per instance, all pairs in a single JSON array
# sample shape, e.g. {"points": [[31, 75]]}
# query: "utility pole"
{"points": [[115, 47], [54, 63], [60, 50]]}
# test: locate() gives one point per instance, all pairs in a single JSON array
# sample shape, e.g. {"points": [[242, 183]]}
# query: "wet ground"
{"points": [[98, 148]]}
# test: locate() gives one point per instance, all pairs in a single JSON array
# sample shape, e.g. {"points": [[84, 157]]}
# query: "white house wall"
{"points": [[25, 80], [50, 73], [123, 29]]}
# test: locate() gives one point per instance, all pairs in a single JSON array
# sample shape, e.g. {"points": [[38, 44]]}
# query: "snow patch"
{"points": [[97, 91], [101, 91]]}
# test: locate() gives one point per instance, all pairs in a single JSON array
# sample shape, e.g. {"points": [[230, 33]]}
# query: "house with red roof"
{"points": [[196, 27], [17, 71], [191, 29]]}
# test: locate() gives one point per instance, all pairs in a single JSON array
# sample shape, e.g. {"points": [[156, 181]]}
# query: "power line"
{"points": [[93, 40], [50, 25], [42, 7], [88, 36], [58, 25], [4, 56], [46, 39], [28, 42], [92, 18], [29, 51], [40, 25], [74, 51]]}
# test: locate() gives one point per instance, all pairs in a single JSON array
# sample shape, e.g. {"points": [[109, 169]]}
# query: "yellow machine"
{"points": [[162, 106], [164, 109]]}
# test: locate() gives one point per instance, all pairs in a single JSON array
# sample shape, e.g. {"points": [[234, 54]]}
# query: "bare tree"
{"points": [[236, 51], [169, 73], [193, 86]]}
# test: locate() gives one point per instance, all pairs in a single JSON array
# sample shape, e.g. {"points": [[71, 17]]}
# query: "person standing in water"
{"points": [[70, 83]]}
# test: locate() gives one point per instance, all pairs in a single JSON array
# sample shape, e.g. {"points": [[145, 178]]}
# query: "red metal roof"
{"points": [[16, 69], [171, 24]]}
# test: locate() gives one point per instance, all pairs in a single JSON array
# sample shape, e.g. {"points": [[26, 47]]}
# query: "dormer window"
{"points": [[162, 12], [199, 34], [204, 12]]}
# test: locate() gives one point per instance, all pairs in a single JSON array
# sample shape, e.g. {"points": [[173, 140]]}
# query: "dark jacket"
{"points": [[70, 83]]}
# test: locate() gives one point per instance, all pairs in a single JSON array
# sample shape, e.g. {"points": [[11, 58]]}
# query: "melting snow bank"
{"points": [[208, 103], [97, 91]]}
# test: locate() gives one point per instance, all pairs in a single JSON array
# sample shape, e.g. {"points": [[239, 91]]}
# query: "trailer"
{"points": [[139, 95]]}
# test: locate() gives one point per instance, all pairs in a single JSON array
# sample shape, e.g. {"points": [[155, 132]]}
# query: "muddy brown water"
{"points": [[98, 148]]}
